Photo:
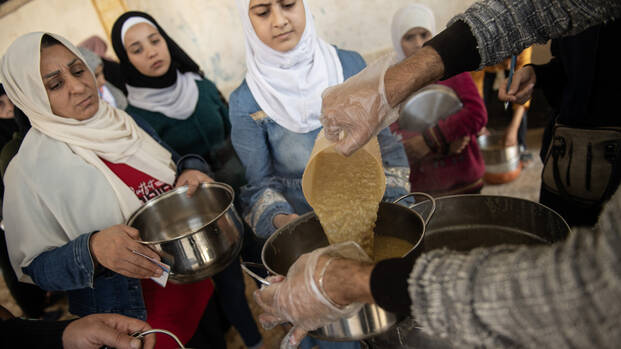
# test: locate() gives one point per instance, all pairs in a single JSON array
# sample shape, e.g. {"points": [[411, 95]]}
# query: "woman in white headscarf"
{"points": [[275, 112], [82, 169], [444, 159]]}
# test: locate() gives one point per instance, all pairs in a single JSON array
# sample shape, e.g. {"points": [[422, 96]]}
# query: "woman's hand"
{"points": [[97, 330], [112, 248], [192, 178], [416, 148], [522, 85], [281, 220], [458, 145]]}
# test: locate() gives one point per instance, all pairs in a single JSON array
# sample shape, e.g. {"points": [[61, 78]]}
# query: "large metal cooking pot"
{"points": [[305, 234], [427, 106], [465, 222], [197, 236]]}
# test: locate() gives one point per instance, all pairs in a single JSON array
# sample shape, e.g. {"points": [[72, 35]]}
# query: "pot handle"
{"points": [[139, 335], [429, 197], [247, 265]]}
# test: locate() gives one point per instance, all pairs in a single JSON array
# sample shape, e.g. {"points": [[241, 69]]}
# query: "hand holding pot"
{"points": [[112, 248], [357, 109], [113, 330], [192, 178], [300, 298]]}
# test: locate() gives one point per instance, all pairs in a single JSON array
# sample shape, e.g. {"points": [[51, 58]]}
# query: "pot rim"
{"points": [[174, 192], [305, 216], [498, 197]]}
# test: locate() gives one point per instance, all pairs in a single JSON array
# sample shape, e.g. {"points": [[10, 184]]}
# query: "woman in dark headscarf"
{"points": [[168, 90], [7, 121]]}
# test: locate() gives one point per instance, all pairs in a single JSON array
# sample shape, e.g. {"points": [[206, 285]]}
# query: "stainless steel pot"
{"points": [[465, 222], [305, 234], [497, 157], [427, 106], [197, 236]]}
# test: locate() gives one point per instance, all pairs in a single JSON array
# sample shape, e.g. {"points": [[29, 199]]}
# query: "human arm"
{"points": [[112, 330], [93, 331], [262, 198], [559, 295], [75, 264], [511, 132], [484, 35]]}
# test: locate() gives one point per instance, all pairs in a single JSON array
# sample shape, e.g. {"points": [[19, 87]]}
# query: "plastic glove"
{"points": [[357, 110], [299, 299]]}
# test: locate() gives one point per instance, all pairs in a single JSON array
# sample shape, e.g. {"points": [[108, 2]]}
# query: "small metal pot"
{"points": [[427, 106], [497, 157], [197, 236], [305, 234]]}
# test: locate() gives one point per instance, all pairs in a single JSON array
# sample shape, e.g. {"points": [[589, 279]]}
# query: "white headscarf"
{"points": [[110, 134], [288, 86], [408, 17]]}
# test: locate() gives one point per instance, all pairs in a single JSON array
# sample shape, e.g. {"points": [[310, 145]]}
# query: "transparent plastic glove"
{"points": [[299, 298], [356, 110]]}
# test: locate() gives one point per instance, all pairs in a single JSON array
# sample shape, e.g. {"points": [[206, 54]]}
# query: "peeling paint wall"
{"points": [[210, 30], [74, 19]]}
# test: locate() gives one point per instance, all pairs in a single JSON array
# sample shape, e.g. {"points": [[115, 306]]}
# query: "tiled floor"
{"points": [[526, 186]]}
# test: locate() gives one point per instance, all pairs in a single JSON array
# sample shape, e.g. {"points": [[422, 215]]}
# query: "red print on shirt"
{"points": [[144, 186]]}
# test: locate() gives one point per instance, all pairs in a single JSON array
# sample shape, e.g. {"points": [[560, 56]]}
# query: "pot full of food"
{"points": [[465, 222], [197, 236], [345, 194], [398, 232]]}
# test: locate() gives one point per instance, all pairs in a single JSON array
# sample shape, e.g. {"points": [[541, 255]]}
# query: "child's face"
{"points": [[147, 50], [278, 23], [414, 39]]}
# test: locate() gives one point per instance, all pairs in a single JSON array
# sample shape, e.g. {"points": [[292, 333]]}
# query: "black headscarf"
{"points": [[179, 59], [7, 126]]}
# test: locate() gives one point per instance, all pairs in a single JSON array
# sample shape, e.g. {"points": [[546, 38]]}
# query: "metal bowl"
{"points": [[427, 106], [497, 157], [197, 236]]}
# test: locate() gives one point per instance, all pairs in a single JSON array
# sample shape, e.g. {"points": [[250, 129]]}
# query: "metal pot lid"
{"points": [[427, 106]]}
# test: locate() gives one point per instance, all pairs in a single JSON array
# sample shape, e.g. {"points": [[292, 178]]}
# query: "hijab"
{"points": [[96, 45], [408, 17], [110, 134], [174, 94], [108, 92], [288, 85]]}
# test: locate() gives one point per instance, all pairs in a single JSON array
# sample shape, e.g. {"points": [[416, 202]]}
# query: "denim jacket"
{"points": [[275, 158], [70, 267]]}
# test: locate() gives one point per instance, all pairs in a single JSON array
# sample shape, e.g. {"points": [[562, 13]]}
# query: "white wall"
{"points": [[74, 19], [210, 30]]}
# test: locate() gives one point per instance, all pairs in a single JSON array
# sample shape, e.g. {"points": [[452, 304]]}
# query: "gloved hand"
{"points": [[300, 299], [356, 110]]}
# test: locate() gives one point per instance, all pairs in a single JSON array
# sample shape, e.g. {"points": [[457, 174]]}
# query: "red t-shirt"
{"points": [[176, 308]]}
